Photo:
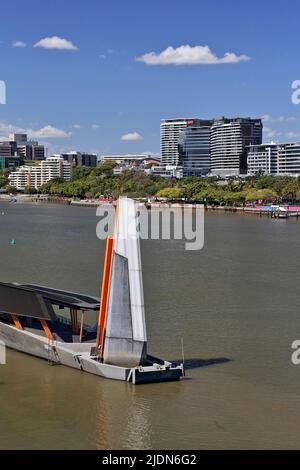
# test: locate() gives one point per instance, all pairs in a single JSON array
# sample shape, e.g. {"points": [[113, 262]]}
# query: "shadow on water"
{"points": [[195, 363]]}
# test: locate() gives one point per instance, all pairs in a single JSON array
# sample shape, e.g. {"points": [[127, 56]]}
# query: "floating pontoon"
{"points": [[116, 347]]}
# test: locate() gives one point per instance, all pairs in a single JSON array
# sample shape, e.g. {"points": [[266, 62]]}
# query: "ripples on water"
{"points": [[235, 303]]}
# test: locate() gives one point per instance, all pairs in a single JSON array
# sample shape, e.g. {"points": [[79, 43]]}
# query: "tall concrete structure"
{"points": [[170, 130], [229, 140], [126, 337], [194, 147]]}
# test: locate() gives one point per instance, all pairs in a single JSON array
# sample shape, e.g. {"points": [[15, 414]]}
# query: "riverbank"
{"points": [[268, 211]]}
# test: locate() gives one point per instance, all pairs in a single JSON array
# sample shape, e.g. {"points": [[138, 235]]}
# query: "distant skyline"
{"points": [[99, 76]]}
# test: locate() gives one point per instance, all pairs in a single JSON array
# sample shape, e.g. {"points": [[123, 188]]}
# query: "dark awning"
{"points": [[36, 301], [64, 298], [19, 301]]}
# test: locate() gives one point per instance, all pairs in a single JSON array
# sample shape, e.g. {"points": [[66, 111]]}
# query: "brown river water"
{"points": [[236, 303]]}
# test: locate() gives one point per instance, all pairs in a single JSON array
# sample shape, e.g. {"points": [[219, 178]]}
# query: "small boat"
{"points": [[116, 347]]}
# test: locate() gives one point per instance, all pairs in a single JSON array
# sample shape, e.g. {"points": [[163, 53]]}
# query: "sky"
{"points": [[98, 76]]}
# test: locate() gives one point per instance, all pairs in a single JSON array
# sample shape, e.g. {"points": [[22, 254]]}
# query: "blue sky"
{"points": [[89, 97]]}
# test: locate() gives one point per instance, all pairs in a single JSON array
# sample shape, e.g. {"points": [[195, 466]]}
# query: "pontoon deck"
{"points": [[116, 347]]}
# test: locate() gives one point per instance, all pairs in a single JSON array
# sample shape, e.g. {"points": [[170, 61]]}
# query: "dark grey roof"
{"points": [[36, 301], [65, 298], [25, 302]]}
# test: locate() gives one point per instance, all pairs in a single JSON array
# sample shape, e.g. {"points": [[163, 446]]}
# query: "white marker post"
{"points": [[2, 353]]}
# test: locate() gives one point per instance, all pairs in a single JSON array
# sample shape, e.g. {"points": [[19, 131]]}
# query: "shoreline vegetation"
{"points": [[27, 199], [93, 186]]}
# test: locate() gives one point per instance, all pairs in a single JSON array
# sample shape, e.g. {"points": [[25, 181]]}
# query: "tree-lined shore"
{"points": [[101, 182]]}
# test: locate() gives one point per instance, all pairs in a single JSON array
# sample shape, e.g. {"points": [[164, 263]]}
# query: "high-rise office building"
{"points": [[229, 139], [18, 144], [31, 151], [19, 139], [81, 159], [194, 147], [170, 130], [7, 149]]}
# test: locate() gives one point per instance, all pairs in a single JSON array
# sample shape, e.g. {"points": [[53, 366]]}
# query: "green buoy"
{"points": [[13, 242]]}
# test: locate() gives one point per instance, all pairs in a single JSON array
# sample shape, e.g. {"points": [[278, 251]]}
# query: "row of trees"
{"points": [[95, 182]]}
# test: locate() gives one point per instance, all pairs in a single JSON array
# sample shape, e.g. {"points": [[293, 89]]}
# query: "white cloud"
{"points": [[292, 135], [132, 136], [48, 132], [102, 56], [95, 126], [19, 44], [269, 118], [190, 55], [271, 133], [76, 126], [55, 42]]}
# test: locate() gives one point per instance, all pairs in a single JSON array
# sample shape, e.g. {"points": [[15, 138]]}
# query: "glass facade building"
{"points": [[194, 147]]}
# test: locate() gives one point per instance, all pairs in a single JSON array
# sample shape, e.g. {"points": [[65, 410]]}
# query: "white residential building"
{"points": [[34, 176], [288, 159], [274, 159], [262, 158]]}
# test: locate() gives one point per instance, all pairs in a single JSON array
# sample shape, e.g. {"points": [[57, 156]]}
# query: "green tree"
{"points": [[171, 193], [30, 190], [11, 189], [3, 181]]}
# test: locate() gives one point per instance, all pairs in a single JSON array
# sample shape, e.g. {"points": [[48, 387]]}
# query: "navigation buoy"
{"points": [[13, 242]]}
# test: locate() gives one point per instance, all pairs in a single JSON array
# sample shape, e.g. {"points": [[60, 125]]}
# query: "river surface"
{"points": [[236, 303]]}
